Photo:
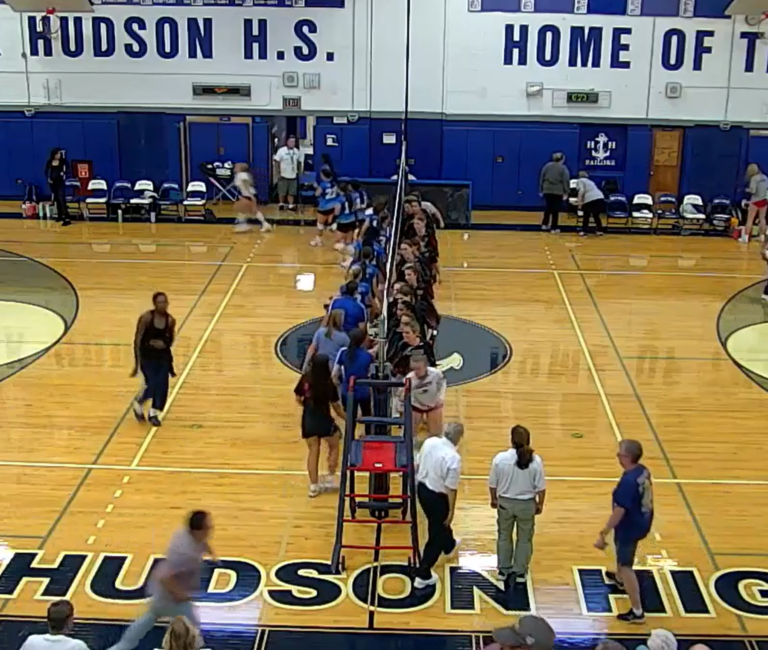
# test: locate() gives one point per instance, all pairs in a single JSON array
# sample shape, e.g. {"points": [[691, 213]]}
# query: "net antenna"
{"points": [[49, 23]]}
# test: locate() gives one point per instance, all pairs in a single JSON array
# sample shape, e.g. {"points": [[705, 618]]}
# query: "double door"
{"points": [[217, 139], [504, 164]]}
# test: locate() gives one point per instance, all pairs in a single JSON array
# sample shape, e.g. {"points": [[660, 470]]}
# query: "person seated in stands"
{"points": [[411, 344], [349, 302]]}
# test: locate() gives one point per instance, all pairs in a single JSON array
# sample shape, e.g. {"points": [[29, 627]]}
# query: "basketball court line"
{"points": [[290, 472], [331, 265]]}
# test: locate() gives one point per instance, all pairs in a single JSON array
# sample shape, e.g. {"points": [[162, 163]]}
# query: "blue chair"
{"points": [[169, 199], [667, 212], [720, 212], [72, 197], [120, 197], [617, 210]]}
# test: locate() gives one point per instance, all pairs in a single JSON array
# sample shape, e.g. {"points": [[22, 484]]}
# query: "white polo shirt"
{"points": [[52, 642], [289, 160], [439, 465], [511, 482]]}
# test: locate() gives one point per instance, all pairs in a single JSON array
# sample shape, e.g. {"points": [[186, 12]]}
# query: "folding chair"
{"points": [[195, 203], [169, 199], [97, 201]]}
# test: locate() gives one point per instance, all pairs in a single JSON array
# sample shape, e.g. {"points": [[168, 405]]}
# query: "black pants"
{"points": [[59, 198], [156, 373], [361, 405], [593, 209], [440, 536], [553, 203]]}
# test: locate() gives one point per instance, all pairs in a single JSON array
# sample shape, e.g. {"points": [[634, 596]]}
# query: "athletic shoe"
{"points": [[314, 490], [455, 552], [292, 207], [555, 231], [316, 242], [545, 228], [419, 583], [744, 239], [66, 222], [281, 206], [329, 483], [582, 234], [339, 246], [521, 578], [138, 412], [266, 227], [242, 226], [765, 297], [631, 617], [155, 421], [600, 233], [614, 579]]}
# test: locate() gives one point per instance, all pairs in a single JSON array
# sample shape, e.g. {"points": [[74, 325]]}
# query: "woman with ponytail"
{"points": [[354, 361], [518, 490]]}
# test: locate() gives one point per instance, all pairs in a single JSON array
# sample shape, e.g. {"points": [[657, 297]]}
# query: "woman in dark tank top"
{"points": [[155, 332]]}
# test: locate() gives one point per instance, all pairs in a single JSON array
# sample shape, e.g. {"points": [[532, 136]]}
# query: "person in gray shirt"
{"points": [[554, 185], [758, 202], [174, 583]]}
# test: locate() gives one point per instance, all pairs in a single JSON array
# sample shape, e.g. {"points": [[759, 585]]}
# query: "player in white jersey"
{"points": [[428, 388], [246, 205]]}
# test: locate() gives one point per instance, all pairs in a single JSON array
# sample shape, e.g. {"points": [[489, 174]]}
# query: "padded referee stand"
{"points": [[384, 454]]}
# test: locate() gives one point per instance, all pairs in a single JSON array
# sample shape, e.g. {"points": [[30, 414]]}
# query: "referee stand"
{"points": [[384, 452]]}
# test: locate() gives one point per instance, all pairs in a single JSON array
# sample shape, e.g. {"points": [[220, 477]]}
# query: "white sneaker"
{"points": [[744, 239], [266, 227], [314, 490], [339, 246], [329, 482], [316, 242], [242, 226], [765, 297], [418, 583], [455, 552]]}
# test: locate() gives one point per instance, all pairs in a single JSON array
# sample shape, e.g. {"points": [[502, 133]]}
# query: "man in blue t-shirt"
{"points": [[630, 521], [349, 303]]}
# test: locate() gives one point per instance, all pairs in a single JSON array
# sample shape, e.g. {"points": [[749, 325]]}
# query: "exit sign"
{"points": [[292, 103]]}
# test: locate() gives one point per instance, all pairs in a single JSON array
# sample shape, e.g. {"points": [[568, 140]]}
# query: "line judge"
{"points": [[437, 478], [518, 489]]}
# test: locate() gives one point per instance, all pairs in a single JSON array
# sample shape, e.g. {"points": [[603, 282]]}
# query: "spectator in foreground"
{"points": [[610, 645], [661, 640], [182, 635], [532, 632], [61, 615]]}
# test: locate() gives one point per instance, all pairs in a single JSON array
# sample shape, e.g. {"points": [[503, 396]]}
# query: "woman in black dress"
{"points": [[317, 394], [155, 332], [56, 173]]}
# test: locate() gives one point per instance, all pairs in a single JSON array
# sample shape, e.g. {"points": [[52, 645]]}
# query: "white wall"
{"points": [[462, 63]]}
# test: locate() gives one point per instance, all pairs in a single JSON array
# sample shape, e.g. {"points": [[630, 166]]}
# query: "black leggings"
{"points": [[364, 407], [593, 209], [157, 372], [553, 203], [59, 198]]}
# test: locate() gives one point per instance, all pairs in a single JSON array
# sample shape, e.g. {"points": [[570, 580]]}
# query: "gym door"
{"points": [[215, 139], [665, 160]]}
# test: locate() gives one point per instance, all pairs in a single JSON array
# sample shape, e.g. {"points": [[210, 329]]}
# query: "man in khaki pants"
{"points": [[518, 489]]}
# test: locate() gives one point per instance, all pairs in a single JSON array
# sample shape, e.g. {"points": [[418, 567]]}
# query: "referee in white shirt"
{"points": [[437, 478], [518, 490]]}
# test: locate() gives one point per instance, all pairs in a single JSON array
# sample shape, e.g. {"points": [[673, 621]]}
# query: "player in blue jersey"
{"points": [[327, 193], [346, 221]]}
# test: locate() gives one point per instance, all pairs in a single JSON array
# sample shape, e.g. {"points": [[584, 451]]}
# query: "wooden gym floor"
{"points": [[612, 338]]}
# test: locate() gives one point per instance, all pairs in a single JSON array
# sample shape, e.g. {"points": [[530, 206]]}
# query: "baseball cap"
{"points": [[531, 631]]}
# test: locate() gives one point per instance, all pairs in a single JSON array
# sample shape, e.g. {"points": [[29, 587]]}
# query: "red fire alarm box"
{"points": [[82, 170]]}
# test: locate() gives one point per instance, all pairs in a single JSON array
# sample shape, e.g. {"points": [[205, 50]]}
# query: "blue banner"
{"points": [[260, 4], [603, 148], [650, 8]]}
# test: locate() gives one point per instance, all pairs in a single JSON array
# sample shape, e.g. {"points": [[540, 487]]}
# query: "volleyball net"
{"points": [[393, 241]]}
